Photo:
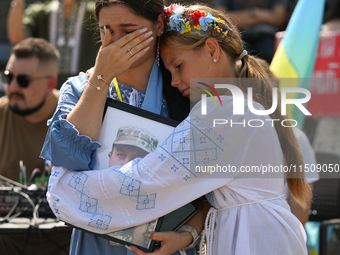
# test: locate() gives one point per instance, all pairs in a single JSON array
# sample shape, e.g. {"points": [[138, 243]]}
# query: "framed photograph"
{"points": [[128, 132], [133, 236], [124, 127]]}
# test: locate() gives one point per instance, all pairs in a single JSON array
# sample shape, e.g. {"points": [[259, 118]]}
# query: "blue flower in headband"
{"points": [[177, 23], [205, 21]]}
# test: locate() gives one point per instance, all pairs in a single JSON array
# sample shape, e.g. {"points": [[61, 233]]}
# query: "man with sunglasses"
{"points": [[31, 98]]}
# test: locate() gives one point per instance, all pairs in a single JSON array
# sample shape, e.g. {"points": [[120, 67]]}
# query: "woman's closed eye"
{"points": [[129, 32], [178, 67]]}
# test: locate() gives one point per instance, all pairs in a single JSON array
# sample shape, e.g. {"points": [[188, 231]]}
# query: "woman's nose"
{"points": [[174, 82]]}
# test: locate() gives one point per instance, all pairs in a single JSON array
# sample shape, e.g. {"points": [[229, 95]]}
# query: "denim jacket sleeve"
{"points": [[63, 145]]}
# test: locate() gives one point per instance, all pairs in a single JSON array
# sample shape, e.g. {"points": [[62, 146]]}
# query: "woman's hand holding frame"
{"points": [[170, 242]]}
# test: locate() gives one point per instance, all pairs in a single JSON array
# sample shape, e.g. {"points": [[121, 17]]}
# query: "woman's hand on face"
{"points": [[170, 242], [115, 58]]}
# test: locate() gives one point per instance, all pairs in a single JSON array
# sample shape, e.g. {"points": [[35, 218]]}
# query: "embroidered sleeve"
{"points": [[176, 173], [63, 145]]}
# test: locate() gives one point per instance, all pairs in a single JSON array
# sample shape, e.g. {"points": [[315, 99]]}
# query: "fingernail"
{"points": [[143, 30], [127, 247], [147, 48], [149, 39], [148, 34], [148, 235]]}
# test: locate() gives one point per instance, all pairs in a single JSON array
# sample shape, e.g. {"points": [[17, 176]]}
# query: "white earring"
{"points": [[215, 60]]}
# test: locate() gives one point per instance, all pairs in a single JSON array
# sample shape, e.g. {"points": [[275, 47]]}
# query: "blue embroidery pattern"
{"points": [[131, 187], [55, 209], [89, 204], [220, 138], [162, 157], [100, 221], [191, 146], [146, 202], [174, 168]]}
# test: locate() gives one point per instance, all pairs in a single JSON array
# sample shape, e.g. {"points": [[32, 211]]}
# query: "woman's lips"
{"points": [[184, 92]]}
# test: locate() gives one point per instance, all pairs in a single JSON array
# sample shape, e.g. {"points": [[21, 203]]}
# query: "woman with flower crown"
{"points": [[249, 213]]}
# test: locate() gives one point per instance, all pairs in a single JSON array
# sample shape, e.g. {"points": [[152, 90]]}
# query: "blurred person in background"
{"points": [[64, 23], [30, 79], [332, 17], [258, 21]]}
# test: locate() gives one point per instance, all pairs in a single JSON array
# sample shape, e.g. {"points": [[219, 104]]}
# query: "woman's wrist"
{"points": [[100, 81], [106, 77], [190, 234], [186, 239]]}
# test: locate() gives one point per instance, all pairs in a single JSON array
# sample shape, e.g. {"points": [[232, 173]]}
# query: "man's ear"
{"points": [[160, 24], [110, 153], [213, 48], [52, 83]]}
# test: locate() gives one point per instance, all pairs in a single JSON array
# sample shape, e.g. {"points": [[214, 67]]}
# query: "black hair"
{"points": [[149, 9], [178, 106]]}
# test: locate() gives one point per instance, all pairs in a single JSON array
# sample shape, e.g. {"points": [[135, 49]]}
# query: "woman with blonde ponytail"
{"points": [[253, 68], [240, 161]]}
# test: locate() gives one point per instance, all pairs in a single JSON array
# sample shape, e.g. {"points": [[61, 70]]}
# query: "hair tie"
{"points": [[244, 53]]}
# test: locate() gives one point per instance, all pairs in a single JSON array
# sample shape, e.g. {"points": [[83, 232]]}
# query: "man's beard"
{"points": [[25, 112]]}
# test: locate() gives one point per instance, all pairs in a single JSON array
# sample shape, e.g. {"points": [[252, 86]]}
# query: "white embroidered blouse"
{"points": [[251, 216]]}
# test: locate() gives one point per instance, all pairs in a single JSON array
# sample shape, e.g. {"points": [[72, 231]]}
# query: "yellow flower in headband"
{"points": [[187, 28], [198, 27], [219, 20]]}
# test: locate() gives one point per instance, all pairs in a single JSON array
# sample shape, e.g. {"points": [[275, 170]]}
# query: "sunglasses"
{"points": [[22, 79]]}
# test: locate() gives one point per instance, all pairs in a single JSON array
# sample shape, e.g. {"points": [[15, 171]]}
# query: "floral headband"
{"points": [[198, 22]]}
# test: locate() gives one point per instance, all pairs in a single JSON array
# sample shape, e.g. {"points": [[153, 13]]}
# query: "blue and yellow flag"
{"points": [[296, 53]]}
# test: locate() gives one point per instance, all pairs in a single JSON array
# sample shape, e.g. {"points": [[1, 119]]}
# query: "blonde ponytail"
{"points": [[253, 67]]}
